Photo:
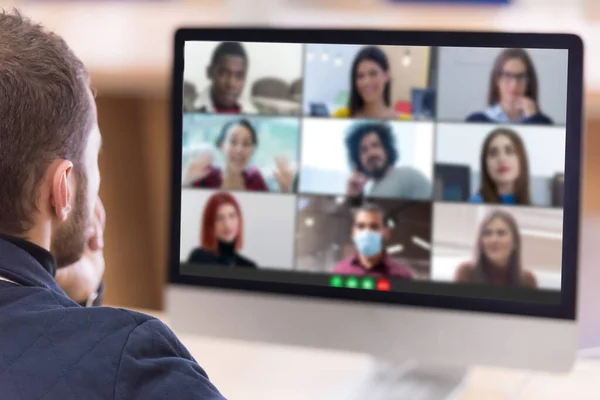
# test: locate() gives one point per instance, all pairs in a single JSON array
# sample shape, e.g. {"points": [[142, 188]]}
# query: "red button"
{"points": [[383, 284]]}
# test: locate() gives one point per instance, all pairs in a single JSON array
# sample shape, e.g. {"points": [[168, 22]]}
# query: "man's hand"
{"points": [[82, 279], [356, 183]]}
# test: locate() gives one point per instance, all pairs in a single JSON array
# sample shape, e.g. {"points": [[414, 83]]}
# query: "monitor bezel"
{"points": [[566, 309]]}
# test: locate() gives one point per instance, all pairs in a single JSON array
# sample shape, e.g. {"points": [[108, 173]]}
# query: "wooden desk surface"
{"points": [[261, 371]]}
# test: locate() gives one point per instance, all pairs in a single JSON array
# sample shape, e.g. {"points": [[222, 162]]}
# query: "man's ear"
{"points": [[62, 189]]}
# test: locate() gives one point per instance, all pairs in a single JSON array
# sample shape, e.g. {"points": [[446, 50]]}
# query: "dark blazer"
{"points": [[537, 119], [52, 348]]}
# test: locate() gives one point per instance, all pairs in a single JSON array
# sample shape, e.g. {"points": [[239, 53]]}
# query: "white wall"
{"points": [[458, 143], [269, 223], [276, 60], [455, 229], [324, 157], [464, 75]]}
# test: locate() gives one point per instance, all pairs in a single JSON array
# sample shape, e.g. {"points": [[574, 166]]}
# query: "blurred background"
{"points": [[127, 46]]}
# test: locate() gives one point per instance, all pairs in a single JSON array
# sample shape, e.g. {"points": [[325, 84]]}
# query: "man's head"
{"points": [[227, 72], [369, 231], [49, 140], [371, 148]]}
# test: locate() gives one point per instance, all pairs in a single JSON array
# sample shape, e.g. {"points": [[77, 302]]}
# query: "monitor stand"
{"points": [[385, 381]]}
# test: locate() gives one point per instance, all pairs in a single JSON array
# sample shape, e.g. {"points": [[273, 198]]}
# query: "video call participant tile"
{"points": [[383, 238], [241, 78], [350, 81], [521, 86], [494, 245], [484, 163], [237, 230], [240, 153], [371, 158]]}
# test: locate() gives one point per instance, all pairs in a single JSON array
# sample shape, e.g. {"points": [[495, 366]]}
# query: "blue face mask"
{"points": [[368, 243]]}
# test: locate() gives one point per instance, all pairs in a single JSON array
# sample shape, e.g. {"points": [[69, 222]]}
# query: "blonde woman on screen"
{"points": [[497, 258]]}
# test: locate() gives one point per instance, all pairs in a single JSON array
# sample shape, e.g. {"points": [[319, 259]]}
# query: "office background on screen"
{"points": [[460, 145], [324, 233], [328, 72], [464, 80], [455, 231]]}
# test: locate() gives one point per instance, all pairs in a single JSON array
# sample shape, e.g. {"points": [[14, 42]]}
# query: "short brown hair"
{"points": [[45, 114]]}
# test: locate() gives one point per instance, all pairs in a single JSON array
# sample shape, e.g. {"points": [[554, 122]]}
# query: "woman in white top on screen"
{"points": [[513, 93], [504, 169]]}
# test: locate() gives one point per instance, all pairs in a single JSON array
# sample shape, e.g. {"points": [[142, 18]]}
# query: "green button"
{"points": [[336, 281], [367, 284], [352, 282]]}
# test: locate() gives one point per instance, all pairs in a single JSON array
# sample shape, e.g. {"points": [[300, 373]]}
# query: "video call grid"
{"points": [[435, 125]]}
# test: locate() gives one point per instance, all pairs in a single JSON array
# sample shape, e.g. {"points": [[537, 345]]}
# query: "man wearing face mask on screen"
{"points": [[369, 234]]}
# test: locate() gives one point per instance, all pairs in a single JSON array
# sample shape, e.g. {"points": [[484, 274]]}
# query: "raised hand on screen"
{"points": [[284, 174], [200, 167], [356, 183]]}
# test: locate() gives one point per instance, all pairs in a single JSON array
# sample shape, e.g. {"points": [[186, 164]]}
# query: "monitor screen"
{"points": [[374, 168]]}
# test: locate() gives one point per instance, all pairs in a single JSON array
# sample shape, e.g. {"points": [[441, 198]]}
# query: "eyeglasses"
{"points": [[509, 76]]}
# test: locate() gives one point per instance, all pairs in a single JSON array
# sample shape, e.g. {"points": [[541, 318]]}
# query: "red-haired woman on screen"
{"points": [[222, 234]]}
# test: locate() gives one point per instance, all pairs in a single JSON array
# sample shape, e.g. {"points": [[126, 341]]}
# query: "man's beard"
{"points": [[376, 172], [69, 241]]}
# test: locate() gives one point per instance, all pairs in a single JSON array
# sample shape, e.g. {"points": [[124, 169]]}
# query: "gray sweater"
{"points": [[401, 182]]}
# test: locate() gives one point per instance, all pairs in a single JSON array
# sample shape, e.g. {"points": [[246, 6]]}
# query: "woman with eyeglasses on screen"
{"points": [[504, 169], [370, 82], [237, 141], [222, 235], [513, 92], [497, 258]]}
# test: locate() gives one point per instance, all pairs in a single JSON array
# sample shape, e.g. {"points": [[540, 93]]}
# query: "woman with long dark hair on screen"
{"points": [[504, 169], [222, 234], [497, 258], [237, 141], [513, 91], [370, 82]]}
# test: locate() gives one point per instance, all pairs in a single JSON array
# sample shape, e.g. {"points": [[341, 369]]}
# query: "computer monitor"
{"points": [[325, 231]]}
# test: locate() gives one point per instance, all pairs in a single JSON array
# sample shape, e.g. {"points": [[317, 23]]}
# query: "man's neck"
{"points": [[220, 106], [39, 235], [381, 176], [370, 262]]}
